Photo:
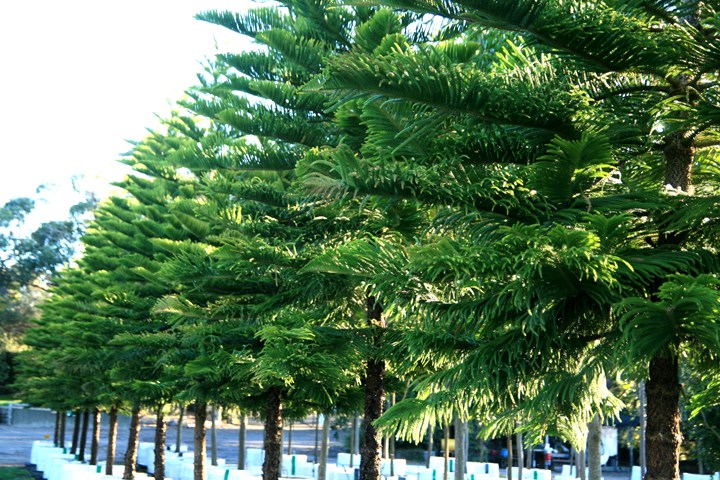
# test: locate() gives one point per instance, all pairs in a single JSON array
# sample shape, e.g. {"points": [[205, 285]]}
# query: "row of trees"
{"points": [[491, 208]]}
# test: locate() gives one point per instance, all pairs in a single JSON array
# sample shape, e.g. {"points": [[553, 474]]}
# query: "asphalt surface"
{"points": [[16, 441]]}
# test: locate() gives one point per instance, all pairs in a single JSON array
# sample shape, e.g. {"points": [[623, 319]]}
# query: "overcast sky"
{"points": [[80, 77]]}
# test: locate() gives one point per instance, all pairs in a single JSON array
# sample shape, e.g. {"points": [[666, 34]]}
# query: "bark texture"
{"points": [[374, 399], [76, 432], [63, 422], [83, 434], [200, 441], [112, 440], [272, 442], [322, 469], [95, 443], [663, 419], [594, 446], [160, 437], [132, 447], [241, 441], [178, 437]]}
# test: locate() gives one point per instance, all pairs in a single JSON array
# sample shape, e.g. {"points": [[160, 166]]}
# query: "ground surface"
{"points": [[16, 443]]}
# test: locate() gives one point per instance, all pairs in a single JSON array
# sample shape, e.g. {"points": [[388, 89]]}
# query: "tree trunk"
{"points": [[594, 446], [160, 437], [213, 436], [520, 459], [63, 423], [289, 437], [95, 444], [200, 442], [178, 436], [316, 455], [430, 446], [322, 469], [272, 442], [509, 457], [580, 468], [76, 432], [83, 434], [241, 442], [460, 458], [643, 428], [663, 419], [374, 398], [56, 432], [353, 429], [112, 440], [132, 446], [446, 452]]}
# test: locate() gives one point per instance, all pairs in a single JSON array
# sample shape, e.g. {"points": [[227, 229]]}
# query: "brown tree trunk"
{"points": [[178, 436], [63, 422], [272, 443], [112, 440], [56, 433], [83, 434], [200, 441], [374, 398], [663, 419], [132, 445], [160, 437], [510, 456], [95, 443], [76, 432]]}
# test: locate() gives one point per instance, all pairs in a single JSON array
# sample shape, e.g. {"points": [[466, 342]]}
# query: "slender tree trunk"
{"points": [[643, 428], [132, 446], [213, 436], [273, 435], [83, 434], [76, 432], [316, 455], [357, 436], [241, 442], [56, 433], [289, 442], [430, 446], [353, 429], [95, 444], [322, 469], [460, 458], [663, 419], [580, 469], [112, 440], [374, 398], [63, 423], [160, 437], [510, 457], [594, 446], [200, 441], [520, 452], [178, 436], [446, 452]]}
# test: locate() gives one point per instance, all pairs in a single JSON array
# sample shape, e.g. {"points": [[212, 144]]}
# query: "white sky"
{"points": [[80, 77]]}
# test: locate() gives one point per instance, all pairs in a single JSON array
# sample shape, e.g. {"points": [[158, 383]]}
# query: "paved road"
{"points": [[16, 441]]}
